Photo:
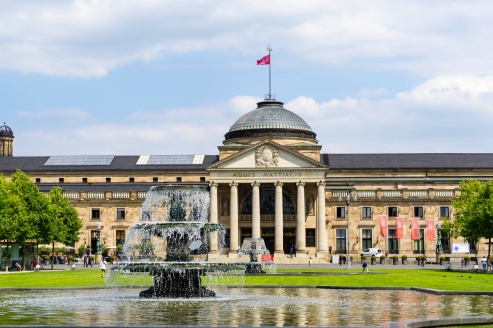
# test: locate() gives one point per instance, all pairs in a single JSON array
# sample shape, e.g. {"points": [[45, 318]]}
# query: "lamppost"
{"points": [[439, 248], [348, 201], [99, 252]]}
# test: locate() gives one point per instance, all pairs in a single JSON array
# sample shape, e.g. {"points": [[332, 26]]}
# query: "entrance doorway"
{"points": [[289, 239], [268, 235]]}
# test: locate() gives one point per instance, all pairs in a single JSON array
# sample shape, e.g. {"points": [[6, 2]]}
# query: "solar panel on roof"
{"points": [[79, 160], [170, 159]]}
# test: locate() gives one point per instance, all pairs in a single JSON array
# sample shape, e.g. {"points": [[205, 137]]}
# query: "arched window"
{"points": [[268, 202]]}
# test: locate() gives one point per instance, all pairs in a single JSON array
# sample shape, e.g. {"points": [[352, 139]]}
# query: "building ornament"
{"points": [[266, 156]]}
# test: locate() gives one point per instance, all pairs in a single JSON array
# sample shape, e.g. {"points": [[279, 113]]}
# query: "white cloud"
{"points": [[57, 112], [88, 38], [443, 114]]}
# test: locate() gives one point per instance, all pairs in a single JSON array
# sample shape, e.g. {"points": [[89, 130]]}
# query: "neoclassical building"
{"points": [[270, 179]]}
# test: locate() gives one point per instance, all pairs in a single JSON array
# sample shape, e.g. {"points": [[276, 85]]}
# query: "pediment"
{"points": [[266, 155]]}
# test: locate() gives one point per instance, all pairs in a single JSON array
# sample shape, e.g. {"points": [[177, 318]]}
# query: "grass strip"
{"points": [[434, 279]]}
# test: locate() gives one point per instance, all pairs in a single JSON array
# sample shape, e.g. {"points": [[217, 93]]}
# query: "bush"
{"points": [[442, 258], [395, 257], [92, 258], [81, 250], [404, 257], [467, 258], [373, 257], [419, 258], [46, 258], [363, 257], [382, 257], [70, 258]]}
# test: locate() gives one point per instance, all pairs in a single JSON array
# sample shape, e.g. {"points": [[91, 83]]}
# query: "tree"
{"points": [[62, 223], [8, 225], [473, 218]]}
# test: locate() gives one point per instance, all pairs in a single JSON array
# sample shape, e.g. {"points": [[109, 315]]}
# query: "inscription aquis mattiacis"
{"points": [[267, 174]]}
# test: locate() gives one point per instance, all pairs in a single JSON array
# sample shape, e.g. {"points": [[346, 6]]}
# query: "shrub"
{"points": [[442, 258], [46, 258], [404, 257], [70, 258], [395, 257], [419, 258], [467, 258], [92, 258], [382, 257], [363, 257], [373, 257]]}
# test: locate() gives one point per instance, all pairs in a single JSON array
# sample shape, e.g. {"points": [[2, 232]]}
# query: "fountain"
{"points": [[174, 225], [253, 247]]}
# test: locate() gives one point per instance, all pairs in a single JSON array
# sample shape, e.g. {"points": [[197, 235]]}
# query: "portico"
{"points": [[277, 200]]}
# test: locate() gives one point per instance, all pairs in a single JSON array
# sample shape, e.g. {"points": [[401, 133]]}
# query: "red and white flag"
{"points": [[264, 60], [415, 229], [430, 229], [399, 228], [383, 225]]}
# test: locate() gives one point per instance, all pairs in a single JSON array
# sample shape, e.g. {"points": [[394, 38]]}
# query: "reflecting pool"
{"points": [[234, 307]]}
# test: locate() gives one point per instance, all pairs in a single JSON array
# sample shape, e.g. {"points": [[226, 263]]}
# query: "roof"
{"points": [[92, 187], [270, 115], [119, 163], [408, 161]]}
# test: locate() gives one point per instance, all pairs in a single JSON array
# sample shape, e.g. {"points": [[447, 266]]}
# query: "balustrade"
{"points": [[367, 194], [142, 194], [72, 194], [267, 218], [95, 194], [392, 194], [444, 193], [418, 193], [121, 194]]}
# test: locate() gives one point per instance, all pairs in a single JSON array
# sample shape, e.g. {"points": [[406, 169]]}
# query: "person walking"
{"points": [[102, 266], [330, 249], [483, 263], [365, 266], [462, 261], [85, 261], [309, 261]]}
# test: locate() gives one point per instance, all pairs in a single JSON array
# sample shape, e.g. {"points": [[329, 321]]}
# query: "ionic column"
{"points": [[233, 218], [300, 219], [279, 231], [321, 233], [256, 209], [213, 217]]}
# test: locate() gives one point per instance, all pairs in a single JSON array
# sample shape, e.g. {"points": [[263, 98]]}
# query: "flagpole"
{"points": [[270, 63]]}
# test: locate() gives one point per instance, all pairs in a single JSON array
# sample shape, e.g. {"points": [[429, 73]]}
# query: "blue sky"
{"points": [[168, 77]]}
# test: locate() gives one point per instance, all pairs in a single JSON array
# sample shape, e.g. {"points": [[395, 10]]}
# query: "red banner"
{"points": [[399, 228], [415, 228], [430, 229], [264, 60], [383, 225]]}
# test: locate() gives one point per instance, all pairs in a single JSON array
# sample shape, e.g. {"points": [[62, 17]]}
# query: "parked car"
{"points": [[369, 252]]}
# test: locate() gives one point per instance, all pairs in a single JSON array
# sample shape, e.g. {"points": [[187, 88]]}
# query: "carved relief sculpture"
{"points": [[266, 156]]}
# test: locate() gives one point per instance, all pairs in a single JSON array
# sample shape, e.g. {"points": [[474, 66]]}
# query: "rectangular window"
{"points": [[393, 245], [366, 236], [340, 241], [310, 238], [178, 179], [108, 180], [131, 179], [392, 211], [472, 246], [120, 237], [445, 239], [419, 245], [341, 212], [418, 212], [202, 179], [154, 179], [61, 180], [227, 238], [95, 214], [444, 211], [84, 180], [38, 180], [120, 214], [366, 212]]}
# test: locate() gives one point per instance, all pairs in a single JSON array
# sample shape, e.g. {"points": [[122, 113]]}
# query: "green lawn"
{"points": [[435, 279]]}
